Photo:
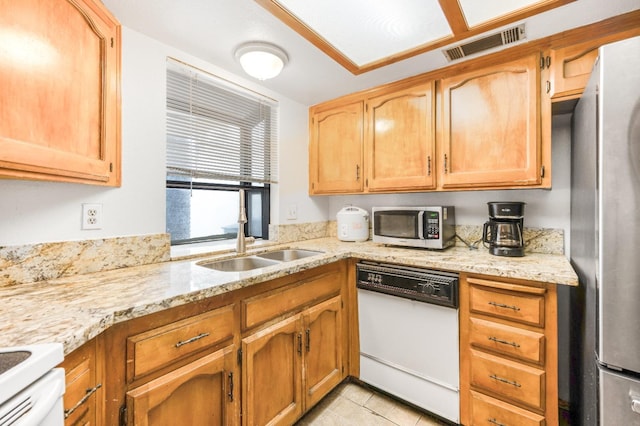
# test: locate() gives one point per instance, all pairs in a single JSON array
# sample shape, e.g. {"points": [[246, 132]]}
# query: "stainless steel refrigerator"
{"points": [[605, 241]]}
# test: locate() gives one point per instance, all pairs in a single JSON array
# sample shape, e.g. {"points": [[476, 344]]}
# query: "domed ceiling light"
{"points": [[261, 60]]}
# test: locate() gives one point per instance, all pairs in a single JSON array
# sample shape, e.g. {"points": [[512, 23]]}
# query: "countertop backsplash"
{"points": [[45, 261]]}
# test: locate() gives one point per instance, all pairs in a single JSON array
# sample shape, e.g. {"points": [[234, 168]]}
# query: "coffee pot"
{"points": [[503, 232]]}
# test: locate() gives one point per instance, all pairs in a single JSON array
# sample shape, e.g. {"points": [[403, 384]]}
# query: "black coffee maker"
{"points": [[503, 232]]}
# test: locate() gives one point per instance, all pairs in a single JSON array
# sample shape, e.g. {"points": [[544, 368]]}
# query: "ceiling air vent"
{"points": [[502, 38]]}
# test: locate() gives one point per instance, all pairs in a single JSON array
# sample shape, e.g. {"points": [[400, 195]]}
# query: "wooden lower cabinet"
{"points": [[508, 352], [202, 392], [262, 354], [289, 366], [323, 350], [84, 390], [272, 374]]}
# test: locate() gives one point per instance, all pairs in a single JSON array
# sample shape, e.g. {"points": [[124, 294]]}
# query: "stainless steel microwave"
{"points": [[424, 227]]}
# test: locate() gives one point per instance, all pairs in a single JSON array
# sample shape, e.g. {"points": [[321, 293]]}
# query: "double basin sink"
{"points": [[261, 260]]}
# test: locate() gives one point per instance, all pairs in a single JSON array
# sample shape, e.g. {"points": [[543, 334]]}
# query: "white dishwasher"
{"points": [[408, 323]]}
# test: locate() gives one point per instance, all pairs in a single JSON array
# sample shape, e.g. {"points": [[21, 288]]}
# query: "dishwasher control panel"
{"points": [[424, 285]]}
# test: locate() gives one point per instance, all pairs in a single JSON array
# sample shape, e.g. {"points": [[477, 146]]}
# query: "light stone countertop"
{"points": [[72, 310]]}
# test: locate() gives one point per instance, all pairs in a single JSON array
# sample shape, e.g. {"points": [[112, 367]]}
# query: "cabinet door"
{"points": [[199, 393], [272, 368], [400, 140], [335, 150], [323, 349], [59, 109], [83, 388], [491, 134], [570, 68]]}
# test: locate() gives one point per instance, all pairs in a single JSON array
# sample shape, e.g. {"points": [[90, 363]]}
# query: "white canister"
{"points": [[353, 224]]}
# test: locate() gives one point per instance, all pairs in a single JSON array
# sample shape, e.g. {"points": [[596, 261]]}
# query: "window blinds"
{"points": [[216, 130]]}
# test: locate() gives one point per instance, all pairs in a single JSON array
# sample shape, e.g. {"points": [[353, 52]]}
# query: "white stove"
{"points": [[31, 388]]}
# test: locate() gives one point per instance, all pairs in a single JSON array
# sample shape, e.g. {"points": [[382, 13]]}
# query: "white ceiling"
{"points": [[212, 29]]}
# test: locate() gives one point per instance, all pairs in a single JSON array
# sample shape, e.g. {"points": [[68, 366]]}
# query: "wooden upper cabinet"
{"points": [[570, 68], [335, 150], [491, 132], [60, 85], [401, 140]]}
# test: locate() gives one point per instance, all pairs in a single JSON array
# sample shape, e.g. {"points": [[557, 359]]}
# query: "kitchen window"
{"points": [[220, 138]]}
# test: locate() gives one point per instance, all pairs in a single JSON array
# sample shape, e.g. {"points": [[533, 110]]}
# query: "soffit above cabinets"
{"points": [[363, 35]]}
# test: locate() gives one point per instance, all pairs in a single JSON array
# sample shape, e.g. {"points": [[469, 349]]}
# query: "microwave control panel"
{"points": [[432, 225]]}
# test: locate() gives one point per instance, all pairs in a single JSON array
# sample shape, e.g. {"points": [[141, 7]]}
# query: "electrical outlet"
{"points": [[292, 212], [91, 216]]}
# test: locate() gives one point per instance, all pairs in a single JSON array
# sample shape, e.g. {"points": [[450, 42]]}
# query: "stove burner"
{"points": [[8, 360]]}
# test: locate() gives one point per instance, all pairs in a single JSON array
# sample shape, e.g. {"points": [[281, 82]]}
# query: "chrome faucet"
{"points": [[241, 246]]}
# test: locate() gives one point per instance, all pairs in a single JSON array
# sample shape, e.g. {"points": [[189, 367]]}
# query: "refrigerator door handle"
{"points": [[635, 405]]}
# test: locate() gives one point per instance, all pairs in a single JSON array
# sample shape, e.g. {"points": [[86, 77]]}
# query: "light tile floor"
{"points": [[353, 405]]}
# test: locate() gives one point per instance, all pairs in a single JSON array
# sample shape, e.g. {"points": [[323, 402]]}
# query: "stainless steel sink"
{"points": [[262, 260], [238, 264], [288, 255]]}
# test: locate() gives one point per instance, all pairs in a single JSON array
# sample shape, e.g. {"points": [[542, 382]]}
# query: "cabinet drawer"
{"points": [[487, 411], [512, 341], [510, 379], [524, 308], [262, 308], [151, 350], [79, 396]]}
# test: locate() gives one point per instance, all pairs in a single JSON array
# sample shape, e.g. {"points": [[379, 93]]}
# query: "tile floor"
{"points": [[353, 405]]}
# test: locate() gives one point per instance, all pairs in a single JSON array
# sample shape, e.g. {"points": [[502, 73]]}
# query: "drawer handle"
{"points": [[495, 422], [502, 305], [193, 339], [86, 396], [509, 382], [504, 342]]}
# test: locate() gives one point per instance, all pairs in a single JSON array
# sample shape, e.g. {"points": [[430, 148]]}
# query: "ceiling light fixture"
{"points": [[261, 60]]}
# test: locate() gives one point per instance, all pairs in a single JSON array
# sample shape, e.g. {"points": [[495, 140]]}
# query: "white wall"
{"points": [[32, 212], [544, 208]]}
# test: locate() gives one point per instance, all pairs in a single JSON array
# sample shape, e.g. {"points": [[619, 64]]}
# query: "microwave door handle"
{"points": [[421, 225]]}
